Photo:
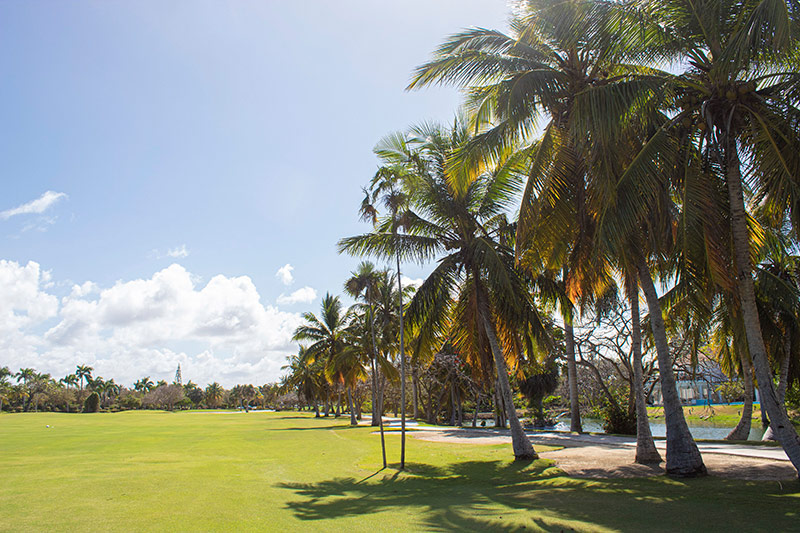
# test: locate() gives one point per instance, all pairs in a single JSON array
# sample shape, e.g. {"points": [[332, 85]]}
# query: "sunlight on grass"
{"points": [[279, 471]]}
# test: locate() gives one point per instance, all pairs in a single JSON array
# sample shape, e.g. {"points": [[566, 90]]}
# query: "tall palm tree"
{"points": [[736, 101], [385, 187], [557, 52], [458, 217], [84, 372]]}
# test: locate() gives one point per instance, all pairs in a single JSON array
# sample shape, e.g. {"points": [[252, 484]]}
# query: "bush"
{"points": [[617, 421], [92, 403], [731, 391]]}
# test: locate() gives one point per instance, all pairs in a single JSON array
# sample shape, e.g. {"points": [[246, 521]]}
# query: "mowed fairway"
{"points": [[193, 471]]}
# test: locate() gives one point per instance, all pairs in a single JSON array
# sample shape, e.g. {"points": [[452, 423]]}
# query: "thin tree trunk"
{"points": [[683, 457], [402, 375], [477, 409], [742, 429], [782, 426], [646, 451], [453, 412], [353, 421], [374, 389], [575, 425], [523, 449], [415, 390]]}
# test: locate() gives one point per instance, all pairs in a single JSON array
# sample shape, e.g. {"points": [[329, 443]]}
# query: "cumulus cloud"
{"points": [[178, 252], [411, 282], [217, 332], [284, 274], [300, 296], [37, 206]]}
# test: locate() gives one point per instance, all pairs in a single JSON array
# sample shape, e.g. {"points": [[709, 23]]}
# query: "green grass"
{"points": [[193, 471], [722, 415]]}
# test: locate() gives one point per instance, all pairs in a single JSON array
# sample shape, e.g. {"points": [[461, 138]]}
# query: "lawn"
{"points": [[192, 471]]}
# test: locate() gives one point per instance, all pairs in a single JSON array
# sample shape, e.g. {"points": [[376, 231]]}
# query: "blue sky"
{"points": [[162, 161]]}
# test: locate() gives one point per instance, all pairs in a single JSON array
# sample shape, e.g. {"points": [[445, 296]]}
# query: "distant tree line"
{"points": [[29, 390]]}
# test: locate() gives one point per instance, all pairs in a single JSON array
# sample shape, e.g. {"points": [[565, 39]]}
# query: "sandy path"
{"points": [[595, 460]]}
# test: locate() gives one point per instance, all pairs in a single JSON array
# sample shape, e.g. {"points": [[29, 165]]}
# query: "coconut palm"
{"points": [[736, 101], [385, 188], [307, 378], [556, 53], [362, 284], [327, 336], [475, 289]]}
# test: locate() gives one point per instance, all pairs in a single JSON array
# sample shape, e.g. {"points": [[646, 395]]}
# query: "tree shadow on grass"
{"points": [[481, 495]]}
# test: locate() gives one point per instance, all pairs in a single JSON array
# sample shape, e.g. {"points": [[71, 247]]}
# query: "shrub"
{"points": [[618, 421], [92, 403]]}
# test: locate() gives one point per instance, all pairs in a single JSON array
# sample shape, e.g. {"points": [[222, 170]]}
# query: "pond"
{"points": [[699, 429]]}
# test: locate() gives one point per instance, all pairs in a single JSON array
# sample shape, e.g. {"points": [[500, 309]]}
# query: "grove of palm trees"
{"points": [[606, 236], [605, 152]]}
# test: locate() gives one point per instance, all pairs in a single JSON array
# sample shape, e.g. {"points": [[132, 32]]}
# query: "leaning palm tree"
{"points": [[736, 101], [475, 289], [556, 53]]}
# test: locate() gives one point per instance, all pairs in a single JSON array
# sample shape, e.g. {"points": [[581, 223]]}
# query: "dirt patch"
{"points": [[616, 462], [586, 460]]}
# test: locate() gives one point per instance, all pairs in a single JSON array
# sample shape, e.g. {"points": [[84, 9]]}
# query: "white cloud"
{"points": [[304, 296], [179, 251], [39, 205], [217, 332], [409, 282], [284, 273]]}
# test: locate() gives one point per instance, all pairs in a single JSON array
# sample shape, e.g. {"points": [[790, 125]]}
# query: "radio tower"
{"points": [[178, 379]]}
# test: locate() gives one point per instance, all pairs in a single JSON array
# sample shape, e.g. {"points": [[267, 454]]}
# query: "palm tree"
{"points": [[362, 284], [5, 388], [385, 188], [327, 336], [557, 53], [461, 216], [736, 100], [213, 394], [306, 377], [70, 380], [84, 372], [144, 385]]}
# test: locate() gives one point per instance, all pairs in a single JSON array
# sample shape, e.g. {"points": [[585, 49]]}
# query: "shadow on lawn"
{"points": [[466, 496]]}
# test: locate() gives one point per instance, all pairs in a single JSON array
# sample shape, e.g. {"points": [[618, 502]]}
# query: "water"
{"points": [[699, 430]]}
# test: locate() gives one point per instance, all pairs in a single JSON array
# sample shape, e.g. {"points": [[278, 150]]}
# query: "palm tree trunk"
{"points": [[782, 426], [402, 374], [646, 452], [783, 381], [523, 449], [415, 390], [575, 425], [742, 429], [683, 457], [353, 421]]}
